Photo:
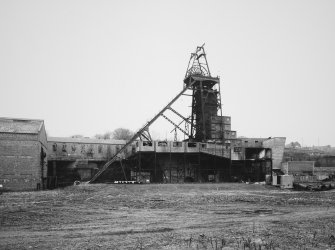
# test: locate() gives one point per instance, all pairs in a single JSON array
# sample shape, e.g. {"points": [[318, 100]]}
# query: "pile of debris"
{"points": [[320, 185]]}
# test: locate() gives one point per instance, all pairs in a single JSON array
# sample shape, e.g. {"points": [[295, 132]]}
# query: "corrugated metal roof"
{"points": [[20, 126], [85, 140]]}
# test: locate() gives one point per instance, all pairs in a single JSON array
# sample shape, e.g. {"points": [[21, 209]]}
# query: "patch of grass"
{"points": [[168, 216]]}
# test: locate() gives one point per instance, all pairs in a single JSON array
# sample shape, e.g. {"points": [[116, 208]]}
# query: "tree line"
{"points": [[117, 134]]}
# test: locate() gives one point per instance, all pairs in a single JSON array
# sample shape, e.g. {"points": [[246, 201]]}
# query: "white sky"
{"points": [[87, 67]]}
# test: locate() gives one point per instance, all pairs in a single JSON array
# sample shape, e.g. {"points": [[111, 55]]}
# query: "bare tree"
{"points": [[98, 136], [122, 134], [108, 135], [105, 136], [293, 145]]}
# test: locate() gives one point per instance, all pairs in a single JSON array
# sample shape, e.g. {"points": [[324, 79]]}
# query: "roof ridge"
{"points": [[20, 119], [20, 126]]}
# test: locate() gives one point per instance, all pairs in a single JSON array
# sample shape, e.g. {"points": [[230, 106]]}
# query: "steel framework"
{"points": [[206, 101], [206, 97]]}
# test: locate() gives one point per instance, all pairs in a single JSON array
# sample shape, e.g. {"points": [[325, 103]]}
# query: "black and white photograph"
{"points": [[155, 124]]}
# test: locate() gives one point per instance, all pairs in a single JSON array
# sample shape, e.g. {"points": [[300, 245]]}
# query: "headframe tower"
{"points": [[206, 99], [206, 120]]}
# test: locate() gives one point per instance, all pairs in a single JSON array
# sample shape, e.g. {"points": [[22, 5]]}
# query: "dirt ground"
{"points": [[168, 216]]}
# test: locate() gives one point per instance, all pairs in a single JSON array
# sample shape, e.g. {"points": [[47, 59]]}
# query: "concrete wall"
{"points": [[81, 150], [252, 142], [277, 145], [286, 181], [183, 147], [18, 137], [298, 167], [145, 146], [241, 148]]}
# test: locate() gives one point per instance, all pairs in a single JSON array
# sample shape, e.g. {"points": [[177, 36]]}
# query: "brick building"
{"points": [[23, 150]]}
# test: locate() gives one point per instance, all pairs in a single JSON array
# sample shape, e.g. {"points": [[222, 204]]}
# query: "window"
{"points": [[54, 147], [74, 148], [177, 144], [90, 151], [147, 143], [192, 144], [162, 143], [64, 147], [100, 149]]}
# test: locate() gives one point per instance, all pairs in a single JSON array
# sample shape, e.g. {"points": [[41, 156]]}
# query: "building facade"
{"points": [[78, 159], [29, 160], [23, 154]]}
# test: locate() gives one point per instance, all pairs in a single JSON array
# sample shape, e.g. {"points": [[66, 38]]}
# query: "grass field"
{"points": [[168, 216]]}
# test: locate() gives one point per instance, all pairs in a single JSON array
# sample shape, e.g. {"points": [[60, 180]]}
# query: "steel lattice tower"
{"points": [[206, 98]]}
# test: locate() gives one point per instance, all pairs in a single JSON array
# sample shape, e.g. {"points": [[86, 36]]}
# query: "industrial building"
{"points": [[31, 161], [211, 152], [71, 159], [23, 154], [175, 162]]}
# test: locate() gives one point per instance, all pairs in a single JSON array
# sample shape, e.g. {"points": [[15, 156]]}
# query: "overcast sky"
{"points": [[87, 67]]}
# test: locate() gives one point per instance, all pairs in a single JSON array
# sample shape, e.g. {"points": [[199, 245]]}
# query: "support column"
{"points": [[139, 166], [204, 136], [170, 168], [230, 165], [155, 165], [184, 166], [199, 166], [54, 168]]}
